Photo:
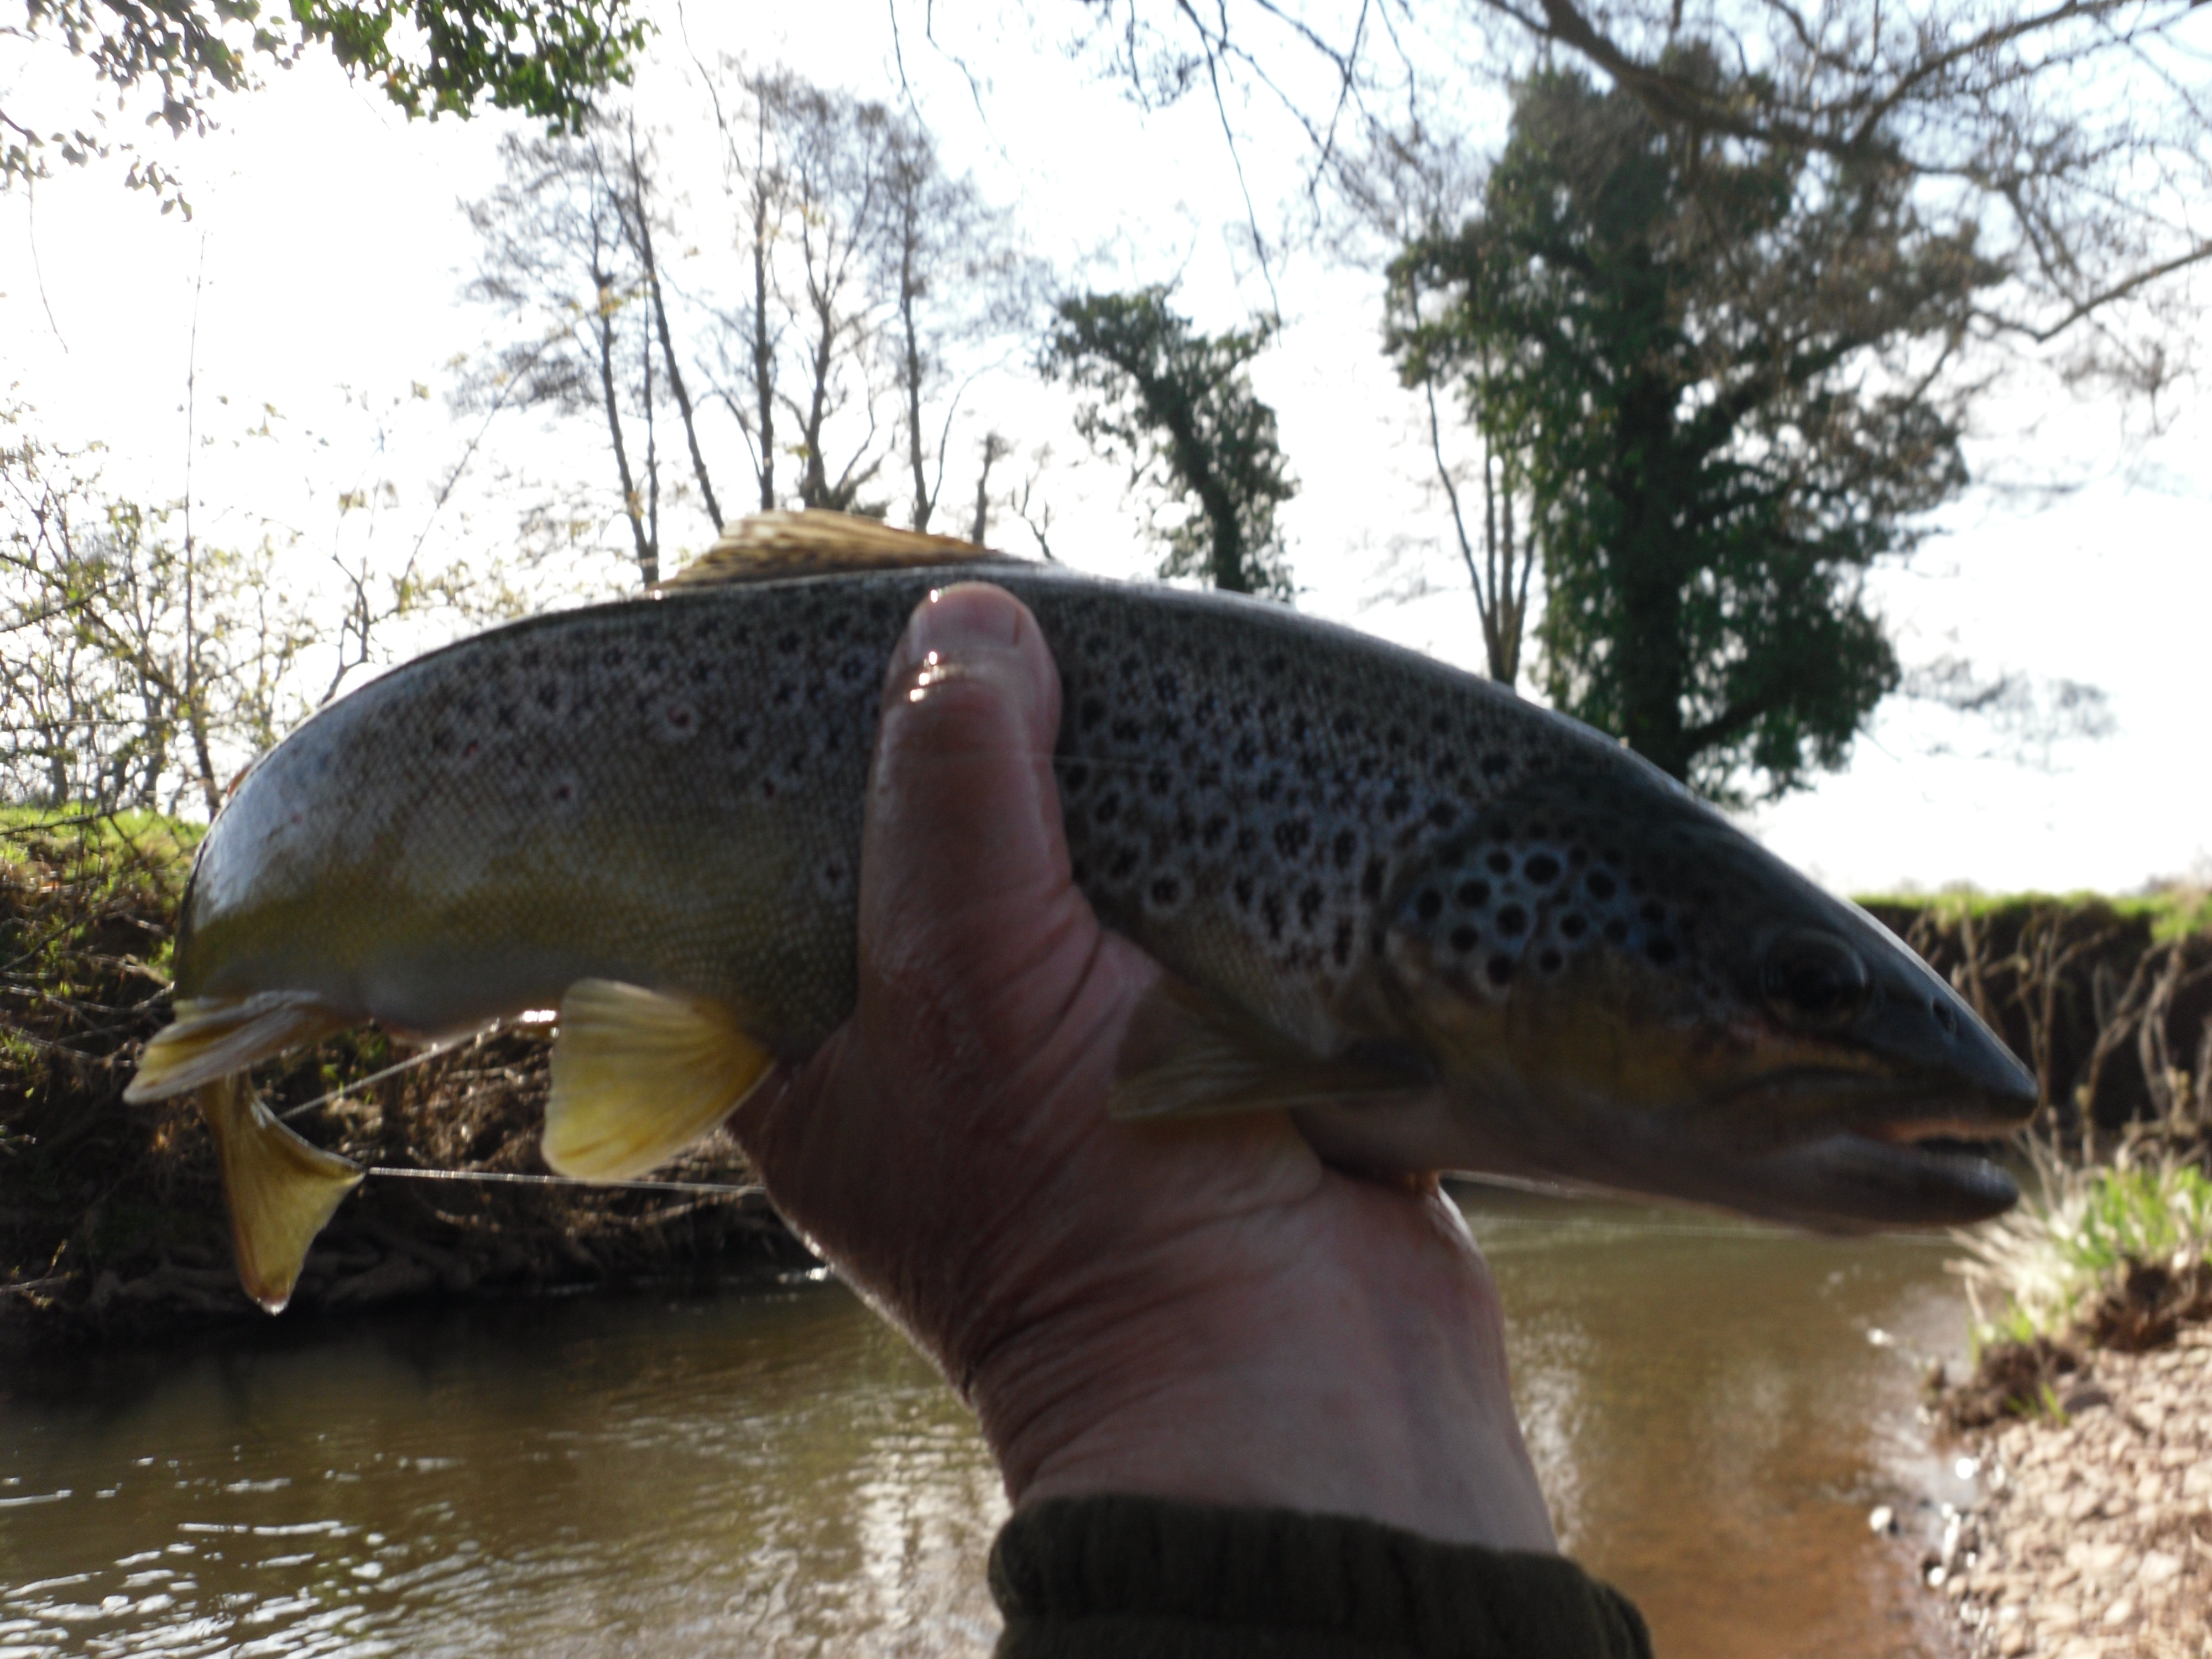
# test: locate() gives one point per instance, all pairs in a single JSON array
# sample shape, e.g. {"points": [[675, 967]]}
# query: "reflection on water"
{"points": [[776, 1474], [1712, 1424], [735, 1475]]}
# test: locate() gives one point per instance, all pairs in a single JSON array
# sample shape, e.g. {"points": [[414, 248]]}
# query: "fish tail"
{"points": [[282, 1190], [212, 1037], [638, 1076]]}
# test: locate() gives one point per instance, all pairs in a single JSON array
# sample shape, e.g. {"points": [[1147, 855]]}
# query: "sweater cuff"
{"points": [[1145, 1579]]}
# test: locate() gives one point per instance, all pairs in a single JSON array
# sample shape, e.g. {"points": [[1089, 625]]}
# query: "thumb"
{"points": [[964, 859]]}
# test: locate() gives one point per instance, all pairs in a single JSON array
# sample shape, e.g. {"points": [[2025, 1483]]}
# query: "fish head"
{"points": [[1623, 987]]}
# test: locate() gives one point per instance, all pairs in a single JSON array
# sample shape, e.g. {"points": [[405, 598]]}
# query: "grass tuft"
{"points": [[2099, 1233]]}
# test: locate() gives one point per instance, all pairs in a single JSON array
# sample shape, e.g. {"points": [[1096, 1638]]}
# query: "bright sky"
{"points": [[327, 252]]}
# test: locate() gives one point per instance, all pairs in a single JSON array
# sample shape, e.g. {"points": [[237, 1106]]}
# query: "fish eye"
{"points": [[1814, 981]]}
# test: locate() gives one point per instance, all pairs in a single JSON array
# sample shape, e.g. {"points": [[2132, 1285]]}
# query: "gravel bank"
{"points": [[2093, 1537]]}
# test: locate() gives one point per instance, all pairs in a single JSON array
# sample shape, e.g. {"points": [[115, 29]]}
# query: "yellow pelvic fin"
{"points": [[816, 542], [638, 1076], [282, 1190], [213, 1036], [1184, 1055]]}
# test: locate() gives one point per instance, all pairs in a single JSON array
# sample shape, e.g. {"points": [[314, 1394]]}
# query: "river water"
{"points": [[1714, 1409]]}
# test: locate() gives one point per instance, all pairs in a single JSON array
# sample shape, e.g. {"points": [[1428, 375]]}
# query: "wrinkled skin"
{"points": [[1201, 1311]]}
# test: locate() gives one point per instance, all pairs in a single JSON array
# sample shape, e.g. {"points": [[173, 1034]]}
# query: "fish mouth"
{"points": [[1856, 1182], [1886, 1154], [1882, 1152]]}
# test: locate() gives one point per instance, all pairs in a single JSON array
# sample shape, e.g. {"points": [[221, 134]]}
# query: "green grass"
{"points": [[2037, 1271], [153, 837], [2174, 911]]}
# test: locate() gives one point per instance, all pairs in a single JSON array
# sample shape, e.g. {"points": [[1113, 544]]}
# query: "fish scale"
{"points": [[1442, 928]]}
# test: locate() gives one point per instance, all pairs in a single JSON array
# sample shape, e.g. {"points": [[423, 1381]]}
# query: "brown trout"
{"points": [[1443, 928]]}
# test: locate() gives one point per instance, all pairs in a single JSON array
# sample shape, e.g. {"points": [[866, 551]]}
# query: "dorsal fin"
{"points": [[816, 542]]}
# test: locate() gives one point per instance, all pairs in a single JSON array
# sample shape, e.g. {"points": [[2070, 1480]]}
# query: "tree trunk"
{"points": [[646, 558], [675, 387]]}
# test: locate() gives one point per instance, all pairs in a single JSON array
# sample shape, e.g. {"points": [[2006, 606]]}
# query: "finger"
{"points": [[969, 926]]}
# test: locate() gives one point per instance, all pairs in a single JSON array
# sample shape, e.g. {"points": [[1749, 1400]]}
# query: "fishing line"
{"points": [[412, 1060], [719, 1188]]}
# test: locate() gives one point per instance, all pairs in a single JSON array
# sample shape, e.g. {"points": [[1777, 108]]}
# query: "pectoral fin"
{"points": [[1186, 1055], [212, 1037], [282, 1190], [638, 1076]]}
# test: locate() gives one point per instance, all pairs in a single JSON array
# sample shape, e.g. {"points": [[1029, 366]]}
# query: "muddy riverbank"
{"points": [[112, 1219]]}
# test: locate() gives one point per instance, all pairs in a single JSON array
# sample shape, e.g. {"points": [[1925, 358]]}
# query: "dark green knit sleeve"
{"points": [[1141, 1578]]}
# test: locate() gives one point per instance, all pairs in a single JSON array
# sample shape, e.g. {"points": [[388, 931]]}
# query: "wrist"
{"points": [[1371, 1385]]}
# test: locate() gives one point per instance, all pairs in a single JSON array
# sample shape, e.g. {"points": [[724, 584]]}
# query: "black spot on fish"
{"points": [[1340, 950], [1429, 905], [1125, 861], [1166, 891], [1079, 871], [1396, 737], [1290, 837], [1543, 869], [1214, 829], [1126, 730], [1500, 863], [1077, 775], [1652, 911], [1601, 884], [1463, 940], [1474, 895], [548, 697], [1395, 803], [1248, 840], [1271, 907], [1245, 753], [1500, 969], [1616, 931], [1660, 951], [1571, 925], [1310, 904], [1370, 879], [1109, 808], [1495, 765], [1346, 847], [1512, 920], [1091, 713], [1442, 814], [1243, 891], [1160, 782], [1550, 962], [1577, 856]]}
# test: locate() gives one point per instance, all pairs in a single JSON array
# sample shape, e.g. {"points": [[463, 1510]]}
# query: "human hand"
{"points": [[1199, 1310]]}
